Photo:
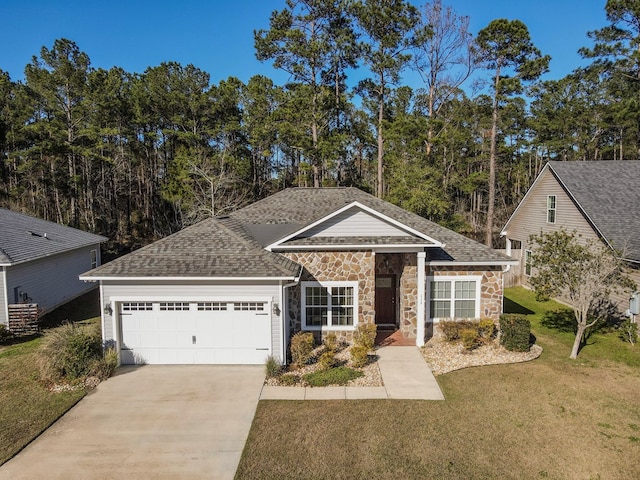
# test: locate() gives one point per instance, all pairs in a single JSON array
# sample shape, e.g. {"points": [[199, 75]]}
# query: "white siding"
{"points": [[3, 298], [191, 290], [355, 222], [51, 281]]}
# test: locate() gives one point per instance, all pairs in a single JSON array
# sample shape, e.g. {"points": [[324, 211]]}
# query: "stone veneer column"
{"points": [[409, 296]]}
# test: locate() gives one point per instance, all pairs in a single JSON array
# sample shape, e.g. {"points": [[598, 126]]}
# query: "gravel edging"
{"points": [[444, 357]]}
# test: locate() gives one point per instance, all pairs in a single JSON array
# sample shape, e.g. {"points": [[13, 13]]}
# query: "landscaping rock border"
{"points": [[444, 357]]}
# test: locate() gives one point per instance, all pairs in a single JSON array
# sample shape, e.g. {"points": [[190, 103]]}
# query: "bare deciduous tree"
{"points": [[584, 273]]}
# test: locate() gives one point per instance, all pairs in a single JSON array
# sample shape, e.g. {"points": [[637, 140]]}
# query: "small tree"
{"points": [[584, 273]]}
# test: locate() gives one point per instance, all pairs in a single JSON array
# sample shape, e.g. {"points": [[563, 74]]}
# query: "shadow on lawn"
{"points": [[513, 307]]}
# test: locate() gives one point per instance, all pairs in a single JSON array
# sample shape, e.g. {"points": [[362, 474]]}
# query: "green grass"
{"points": [[332, 376], [600, 348], [27, 408], [550, 418]]}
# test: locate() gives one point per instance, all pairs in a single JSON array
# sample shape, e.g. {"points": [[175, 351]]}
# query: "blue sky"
{"points": [[217, 35]]}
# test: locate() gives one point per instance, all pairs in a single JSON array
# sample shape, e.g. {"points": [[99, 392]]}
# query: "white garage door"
{"points": [[195, 332]]}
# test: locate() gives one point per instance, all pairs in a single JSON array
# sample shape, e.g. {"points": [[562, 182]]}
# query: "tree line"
{"points": [[136, 156]]}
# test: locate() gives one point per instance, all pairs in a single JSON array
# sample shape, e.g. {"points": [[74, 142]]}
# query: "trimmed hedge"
{"points": [[516, 332]]}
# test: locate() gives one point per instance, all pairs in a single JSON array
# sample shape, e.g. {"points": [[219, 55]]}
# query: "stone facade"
{"points": [[337, 266], [362, 267], [490, 288]]}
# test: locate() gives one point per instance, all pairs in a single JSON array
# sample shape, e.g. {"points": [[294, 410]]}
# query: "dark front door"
{"points": [[386, 299]]}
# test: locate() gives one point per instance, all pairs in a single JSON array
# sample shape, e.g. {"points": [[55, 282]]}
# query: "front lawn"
{"points": [[549, 418], [26, 407]]}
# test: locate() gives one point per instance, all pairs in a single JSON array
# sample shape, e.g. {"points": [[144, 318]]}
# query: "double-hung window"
{"points": [[454, 297], [527, 263], [94, 258], [331, 305], [551, 209]]}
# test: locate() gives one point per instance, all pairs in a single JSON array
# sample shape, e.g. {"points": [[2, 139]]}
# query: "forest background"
{"points": [[137, 156]]}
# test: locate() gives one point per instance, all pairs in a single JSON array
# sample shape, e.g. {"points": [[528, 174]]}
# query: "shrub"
{"points": [[289, 379], [333, 376], [365, 336], [71, 352], [5, 334], [486, 330], [302, 344], [330, 342], [516, 331], [470, 338], [327, 360], [359, 355], [450, 330], [104, 367], [272, 367], [629, 331]]}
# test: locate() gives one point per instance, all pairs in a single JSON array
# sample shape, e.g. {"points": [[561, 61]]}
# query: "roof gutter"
{"points": [[90, 278]]}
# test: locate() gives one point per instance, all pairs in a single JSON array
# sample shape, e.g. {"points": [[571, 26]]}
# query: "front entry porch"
{"points": [[399, 297]]}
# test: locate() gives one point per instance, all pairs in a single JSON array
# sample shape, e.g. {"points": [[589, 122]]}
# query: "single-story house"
{"points": [[599, 200], [40, 262], [233, 289]]}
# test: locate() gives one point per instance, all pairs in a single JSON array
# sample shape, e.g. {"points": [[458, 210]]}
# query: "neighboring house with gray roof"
{"points": [[599, 200], [233, 289], [40, 262]]}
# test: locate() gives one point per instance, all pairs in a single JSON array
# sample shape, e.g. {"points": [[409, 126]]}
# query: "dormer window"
{"points": [[551, 209]]}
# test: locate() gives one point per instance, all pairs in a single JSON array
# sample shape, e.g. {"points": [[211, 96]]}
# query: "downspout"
{"points": [[508, 252], [6, 295], [421, 304]]}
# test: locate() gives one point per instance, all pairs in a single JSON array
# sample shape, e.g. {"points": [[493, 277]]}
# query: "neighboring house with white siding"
{"points": [[599, 200], [233, 289], [40, 262]]}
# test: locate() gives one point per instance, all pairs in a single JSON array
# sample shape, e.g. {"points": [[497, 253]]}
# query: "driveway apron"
{"points": [[150, 422]]}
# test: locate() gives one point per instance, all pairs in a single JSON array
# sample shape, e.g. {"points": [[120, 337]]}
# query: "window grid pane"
{"points": [[440, 308], [465, 290], [465, 308], [316, 299]]}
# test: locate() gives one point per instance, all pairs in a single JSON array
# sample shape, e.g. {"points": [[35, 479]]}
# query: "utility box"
{"points": [[634, 304]]}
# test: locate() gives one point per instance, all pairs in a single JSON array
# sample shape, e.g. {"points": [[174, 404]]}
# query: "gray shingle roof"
{"points": [[24, 238], [608, 192], [233, 246], [217, 247], [303, 206]]}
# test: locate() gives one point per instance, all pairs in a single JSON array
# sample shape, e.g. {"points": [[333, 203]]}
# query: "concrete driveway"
{"points": [[150, 422]]}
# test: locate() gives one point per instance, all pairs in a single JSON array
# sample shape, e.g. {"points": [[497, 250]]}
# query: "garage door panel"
{"points": [[192, 335]]}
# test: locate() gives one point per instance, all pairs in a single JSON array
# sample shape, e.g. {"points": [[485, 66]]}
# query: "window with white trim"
{"points": [[551, 209], [94, 258], [212, 306], [527, 263], [174, 306], [249, 306], [454, 297], [329, 305], [137, 306]]}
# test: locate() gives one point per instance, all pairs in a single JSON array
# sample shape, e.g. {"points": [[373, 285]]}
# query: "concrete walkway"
{"points": [[405, 375]]}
